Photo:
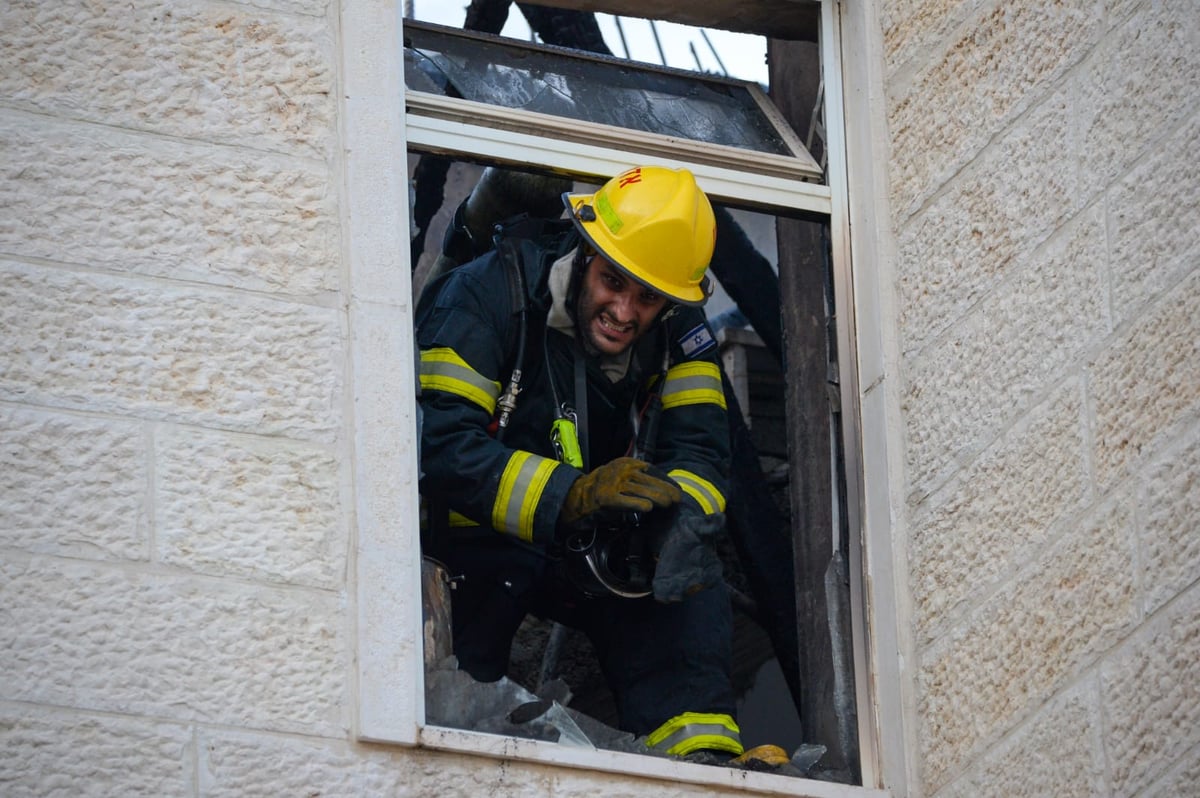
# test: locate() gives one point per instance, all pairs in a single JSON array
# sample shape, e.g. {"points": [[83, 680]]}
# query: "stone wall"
{"points": [[180, 495], [172, 396], [1044, 180], [178, 504]]}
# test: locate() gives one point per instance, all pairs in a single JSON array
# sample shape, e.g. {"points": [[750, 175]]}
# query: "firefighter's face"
{"points": [[614, 310]]}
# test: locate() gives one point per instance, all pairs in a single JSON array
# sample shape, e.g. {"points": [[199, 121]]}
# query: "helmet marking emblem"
{"points": [[632, 176], [608, 214]]}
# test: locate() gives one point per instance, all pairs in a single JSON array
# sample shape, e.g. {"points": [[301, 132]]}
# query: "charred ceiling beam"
{"points": [[777, 19]]}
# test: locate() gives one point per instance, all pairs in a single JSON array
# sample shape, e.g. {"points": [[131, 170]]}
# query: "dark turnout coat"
{"points": [[467, 334], [494, 500]]}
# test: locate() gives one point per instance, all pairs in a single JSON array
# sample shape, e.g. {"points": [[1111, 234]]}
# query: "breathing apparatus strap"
{"points": [[646, 436], [509, 253]]}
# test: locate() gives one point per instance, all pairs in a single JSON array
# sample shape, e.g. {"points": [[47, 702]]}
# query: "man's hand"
{"points": [[687, 560], [623, 485]]}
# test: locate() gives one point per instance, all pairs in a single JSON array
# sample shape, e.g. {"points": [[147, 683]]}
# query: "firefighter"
{"points": [[575, 451]]}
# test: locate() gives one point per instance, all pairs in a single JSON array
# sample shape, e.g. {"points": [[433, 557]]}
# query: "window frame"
{"points": [[439, 125], [795, 163], [389, 673]]}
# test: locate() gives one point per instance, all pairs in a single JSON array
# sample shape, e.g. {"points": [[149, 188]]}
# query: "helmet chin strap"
{"points": [[574, 285]]}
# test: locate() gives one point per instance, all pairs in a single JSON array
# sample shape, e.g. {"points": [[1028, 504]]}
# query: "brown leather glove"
{"points": [[623, 485]]}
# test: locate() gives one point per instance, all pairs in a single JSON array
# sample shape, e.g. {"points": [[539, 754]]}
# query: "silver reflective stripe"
{"points": [[443, 370], [704, 492], [693, 383], [521, 487], [693, 730]]}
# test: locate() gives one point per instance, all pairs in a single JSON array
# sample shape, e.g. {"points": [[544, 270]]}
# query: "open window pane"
{"points": [[474, 100], [757, 552], [596, 90]]}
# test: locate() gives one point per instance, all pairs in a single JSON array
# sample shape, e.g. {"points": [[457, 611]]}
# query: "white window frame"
{"points": [[724, 172], [387, 566]]}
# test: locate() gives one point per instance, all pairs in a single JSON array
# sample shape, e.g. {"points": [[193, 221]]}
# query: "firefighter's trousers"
{"points": [[660, 660]]}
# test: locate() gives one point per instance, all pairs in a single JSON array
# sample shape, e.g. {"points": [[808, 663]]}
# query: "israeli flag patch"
{"points": [[696, 340]]}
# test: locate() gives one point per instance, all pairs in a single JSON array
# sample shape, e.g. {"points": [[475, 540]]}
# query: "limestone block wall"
{"points": [[173, 475], [1044, 179], [177, 513], [179, 506]]}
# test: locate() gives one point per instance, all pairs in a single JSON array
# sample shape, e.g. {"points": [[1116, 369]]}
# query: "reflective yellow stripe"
{"points": [[458, 519], [695, 731], [521, 487], [704, 492], [443, 370], [696, 382]]}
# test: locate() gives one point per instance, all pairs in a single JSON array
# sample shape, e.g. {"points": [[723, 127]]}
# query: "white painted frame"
{"points": [[471, 114], [386, 550], [862, 232], [442, 126], [385, 545]]}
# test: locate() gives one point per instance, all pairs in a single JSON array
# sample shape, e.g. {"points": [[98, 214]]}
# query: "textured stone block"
{"points": [[72, 486], [449, 774], [120, 640], [1021, 338], [1057, 753], [1006, 57], [220, 73], [1151, 691], [1153, 222], [1170, 522], [236, 765], [1116, 11], [1182, 779], [912, 28], [98, 197], [314, 8], [1147, 381], [44, 753], [1142, 80], [987, 224], [998, 514], [262, 509], [115, 345], [581, 784], [1027, 642]]}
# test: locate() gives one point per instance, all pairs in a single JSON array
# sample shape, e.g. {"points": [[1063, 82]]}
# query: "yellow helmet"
{"points": [[656, 225]]}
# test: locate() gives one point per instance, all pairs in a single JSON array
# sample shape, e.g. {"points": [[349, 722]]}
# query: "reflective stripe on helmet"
{"points": [[521, 487], [704, 492], [443, 370], [695, 731], [694, 382]]}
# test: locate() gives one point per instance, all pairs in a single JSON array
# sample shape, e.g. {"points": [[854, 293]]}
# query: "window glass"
{"points": [[588, 88]]}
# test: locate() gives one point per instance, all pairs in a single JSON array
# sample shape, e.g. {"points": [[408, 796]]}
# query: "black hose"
{"points": [[504, 248]]}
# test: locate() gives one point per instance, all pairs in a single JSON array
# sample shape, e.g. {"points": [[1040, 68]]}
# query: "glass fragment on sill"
{"points": [[453, 699]]}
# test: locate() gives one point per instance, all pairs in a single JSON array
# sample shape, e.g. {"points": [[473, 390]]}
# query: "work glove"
{"points": [[622, 485], [687, 556]]}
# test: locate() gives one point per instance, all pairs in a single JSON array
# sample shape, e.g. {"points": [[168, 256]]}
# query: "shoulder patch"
{"points": [[697, 340]]}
